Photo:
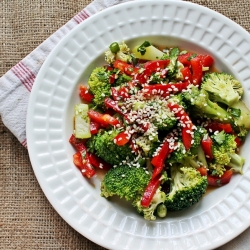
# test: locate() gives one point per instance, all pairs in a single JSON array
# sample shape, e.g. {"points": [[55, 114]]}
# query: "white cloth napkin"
{"points": [[17, 83]]}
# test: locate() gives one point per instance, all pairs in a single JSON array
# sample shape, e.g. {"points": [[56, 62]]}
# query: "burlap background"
{"points": [[27, 220]]}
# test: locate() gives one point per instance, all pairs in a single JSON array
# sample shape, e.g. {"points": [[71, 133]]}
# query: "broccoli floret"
{"points": [[180, 155], [102, 144], [161, 116], [165, 119], [216, 169], [147, 146], [187, 187], [126, 182], [202, 106], [199, 133], [222, 88], [223, 145], [118, 52], [99, 85], [149, 212], [178, 98]]}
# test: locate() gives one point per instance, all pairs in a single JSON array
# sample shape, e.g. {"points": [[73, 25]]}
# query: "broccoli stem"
{"points": [[191, 162], [236, 163], [213, 110], [201, 157]]}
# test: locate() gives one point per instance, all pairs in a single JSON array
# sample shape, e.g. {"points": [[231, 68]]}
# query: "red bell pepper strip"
{"points": [[202, 170], [197, 73], [80, 158], [158, 160], [115, 94], [141, 77], [109, 103], [134, 146], [122, 138], [154, 66], [94, 127], [150, 191], [78, 144], [125, 68], [187, 75], [149, 68], [217, 126], [99, 163], [220, 181], [144, 126], [185, 59], [180, 113], [186, 137], [124, 92], [103, 119], [83, 165], [238, 141], [186, 123], [207, 144], [84, 94], [206, 60], [112, 78]]}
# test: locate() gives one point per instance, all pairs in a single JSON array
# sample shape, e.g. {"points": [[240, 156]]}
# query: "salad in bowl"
{"points": [[162, 123]]}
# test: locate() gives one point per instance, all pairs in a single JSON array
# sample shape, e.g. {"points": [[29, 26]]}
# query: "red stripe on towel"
{"points": [[25, 75], [24, 143], [81, 16]]}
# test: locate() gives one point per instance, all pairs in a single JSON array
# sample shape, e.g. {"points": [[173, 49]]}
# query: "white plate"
{"points": [[221, 215]]}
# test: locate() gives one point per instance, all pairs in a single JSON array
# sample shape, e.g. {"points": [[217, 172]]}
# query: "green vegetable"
{"points": [[187, 187], [148, 146], [99, 85], [161, 211], [222, 87], [118, 52], [173, 66], [165, 120], [224, 147], [236, 163], [149, 212], [103, 146], [114, 47], [190, 157], [242, 121], [82, 122], [202, 106], [125, 182], [178, 98], [142, 48], [151, 53]]}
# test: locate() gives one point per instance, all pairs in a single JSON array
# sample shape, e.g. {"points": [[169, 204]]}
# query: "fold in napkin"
{"points": [[16, 84]]}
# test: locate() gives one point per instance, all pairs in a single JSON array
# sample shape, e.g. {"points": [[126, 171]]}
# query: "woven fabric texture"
{"points": [[27, 220]]}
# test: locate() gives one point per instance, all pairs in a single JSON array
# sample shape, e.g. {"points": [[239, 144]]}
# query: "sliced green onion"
{"points": [[114, 47], [142, 48]]}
